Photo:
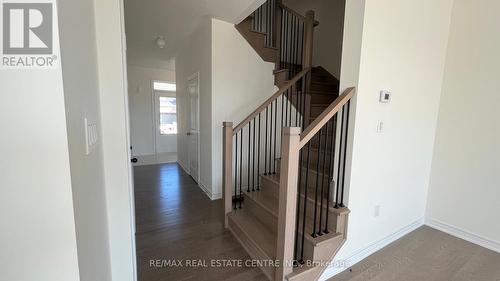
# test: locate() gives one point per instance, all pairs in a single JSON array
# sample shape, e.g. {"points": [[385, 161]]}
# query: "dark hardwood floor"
{"points": [[176, 221]]}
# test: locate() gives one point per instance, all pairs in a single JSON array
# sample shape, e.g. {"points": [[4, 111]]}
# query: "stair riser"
{"points": [[325, 99], [269, 187], [316, 111], [268, 218], [280, 78], [250, 247], [311, 179], [332, 217], [325, 87]]}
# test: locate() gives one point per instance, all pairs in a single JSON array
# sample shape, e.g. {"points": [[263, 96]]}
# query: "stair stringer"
{"points": [[257, 41]]}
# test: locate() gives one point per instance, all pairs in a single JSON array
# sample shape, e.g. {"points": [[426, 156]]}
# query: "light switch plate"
{"points": [[91, 136]]}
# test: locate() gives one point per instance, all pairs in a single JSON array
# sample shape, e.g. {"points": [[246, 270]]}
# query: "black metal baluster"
{"points": [[271, 140], [282, 115], [241, 167], [258, 156], [317, 185], [305, 202], [297, 105], [249, 153], [304, 96], [267, 23], [294, 42], [292, 54], [236, 172], [283, 33], [286, 108], [287, 46], [345, 153], [253, 153], [332, 161], [275, 136], [265, 144], [338, 165], [320, 232], [297, 41]]}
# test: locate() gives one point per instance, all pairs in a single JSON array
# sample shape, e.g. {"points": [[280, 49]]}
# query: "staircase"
{"points": [[284, 165]]}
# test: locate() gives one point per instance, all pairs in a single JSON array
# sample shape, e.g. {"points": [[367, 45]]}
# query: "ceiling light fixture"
{"points": [[160, 42]]}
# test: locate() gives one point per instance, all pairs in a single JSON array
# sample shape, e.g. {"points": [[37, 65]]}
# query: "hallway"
{"points": [[176, 221]]}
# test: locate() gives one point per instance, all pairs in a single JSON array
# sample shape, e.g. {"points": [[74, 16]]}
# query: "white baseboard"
{"points": [[359, 255], [155, 159], [464, 234]]}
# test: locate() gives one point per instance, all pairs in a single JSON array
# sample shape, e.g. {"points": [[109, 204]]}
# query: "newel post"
{"points": [[287, 201], [308, 39], [227, 168]]}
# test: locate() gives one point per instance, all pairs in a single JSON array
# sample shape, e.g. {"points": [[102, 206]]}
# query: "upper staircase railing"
{"points": [[289, 32]]}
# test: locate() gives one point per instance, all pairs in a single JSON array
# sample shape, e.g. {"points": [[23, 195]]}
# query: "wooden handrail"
{"points": [[256, 112], [324, 117]]}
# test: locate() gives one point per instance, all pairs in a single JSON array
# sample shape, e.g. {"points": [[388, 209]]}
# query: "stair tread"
{"points": [[273, 177], [262, 237], [280, 70], [270, 203]]}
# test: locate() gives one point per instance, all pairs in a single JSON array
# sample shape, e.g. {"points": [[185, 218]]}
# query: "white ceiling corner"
{"points": [[176, 20]]}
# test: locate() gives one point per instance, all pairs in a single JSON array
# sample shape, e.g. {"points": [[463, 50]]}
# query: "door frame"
{"points": [[154, 116], [191, 77]]}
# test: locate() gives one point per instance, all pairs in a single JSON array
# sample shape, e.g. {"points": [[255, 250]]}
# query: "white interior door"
{"points": [[194, 132]]}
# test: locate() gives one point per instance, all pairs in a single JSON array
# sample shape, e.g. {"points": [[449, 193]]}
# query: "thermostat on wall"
{"points": [[385, 96]]}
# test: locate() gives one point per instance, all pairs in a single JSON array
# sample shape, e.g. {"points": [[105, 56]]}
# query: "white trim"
{"points": [[360, 255], [190, 77], [209, 193], [464, 234], [162, 81], [156, 159], [131, 185]]}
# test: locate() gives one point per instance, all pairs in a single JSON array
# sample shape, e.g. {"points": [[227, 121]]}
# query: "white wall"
{"points": [[328, 34], [81, 91], [464, 186], [241, 81], [37, 236], [196, 57], [403, 50], [140, 92], [115, 137]]}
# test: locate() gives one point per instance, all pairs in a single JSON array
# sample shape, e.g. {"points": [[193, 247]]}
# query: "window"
{"points": [[164, 86], [168, 115]]}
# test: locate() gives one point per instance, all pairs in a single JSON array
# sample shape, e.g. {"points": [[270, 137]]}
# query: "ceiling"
{"points": [[176, 20]]}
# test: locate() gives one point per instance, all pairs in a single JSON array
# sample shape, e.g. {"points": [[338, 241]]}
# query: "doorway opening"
{"points": [[165, 121]]}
